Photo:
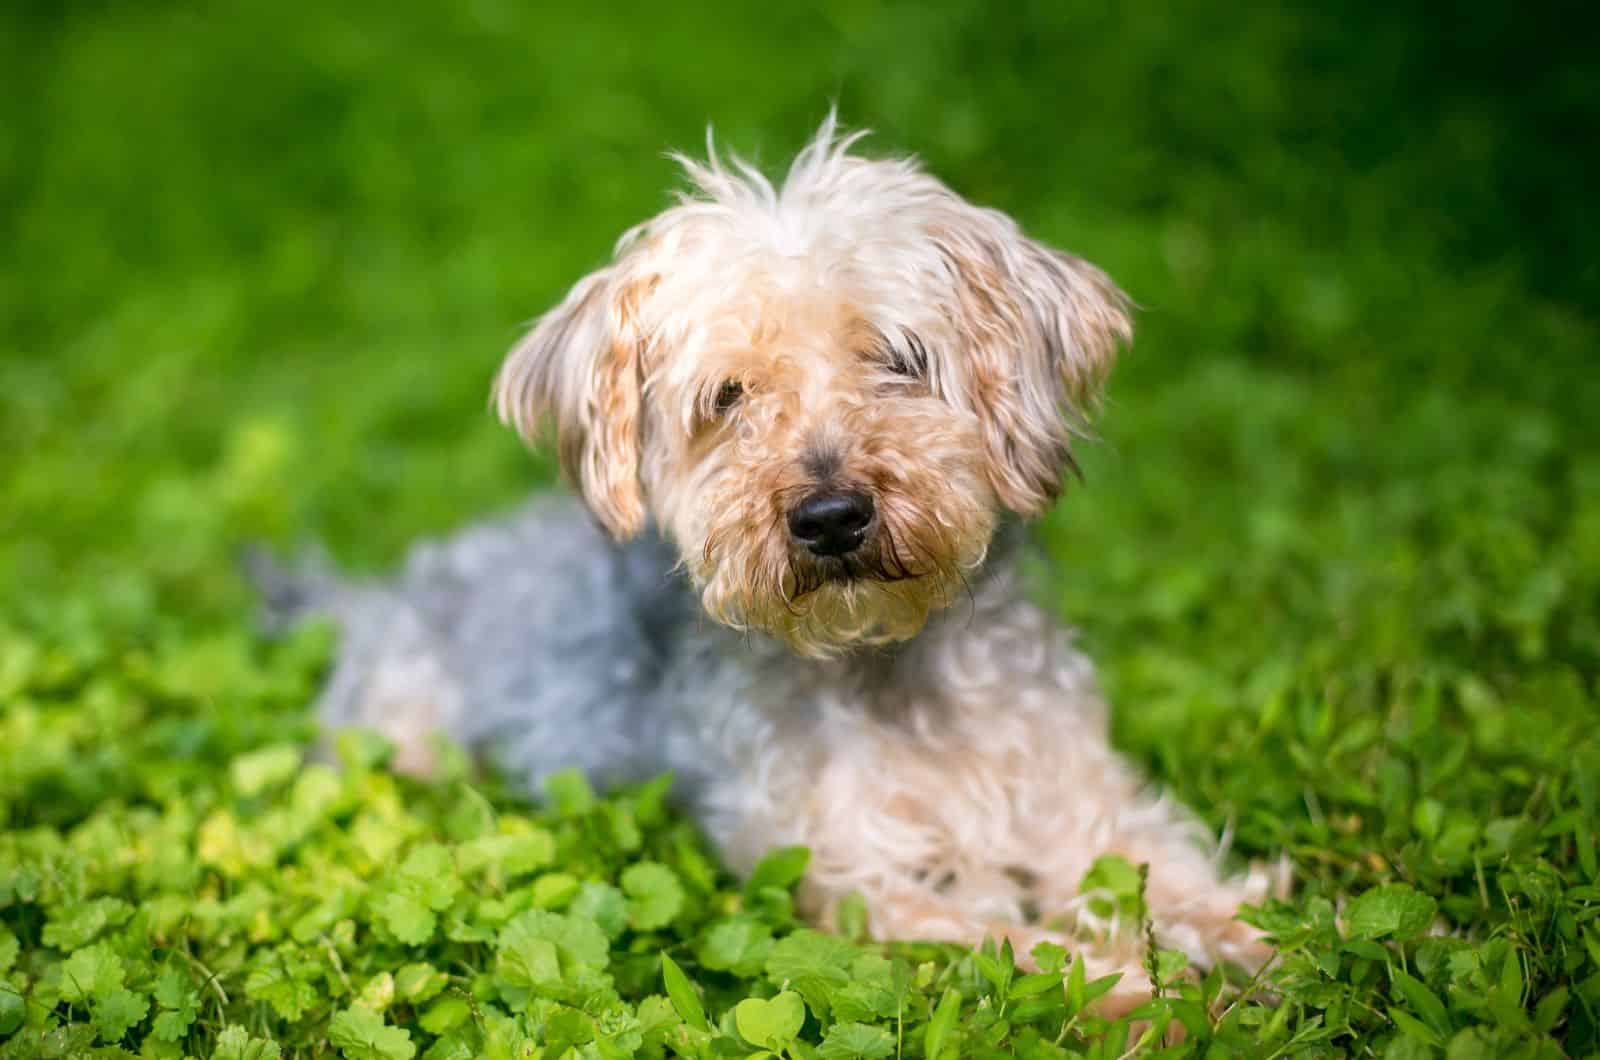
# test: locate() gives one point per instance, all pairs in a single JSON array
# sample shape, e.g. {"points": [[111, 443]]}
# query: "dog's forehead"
{"points": [[798, 289], [759, 310], [764, 335], [791, 338], [872, 231]]}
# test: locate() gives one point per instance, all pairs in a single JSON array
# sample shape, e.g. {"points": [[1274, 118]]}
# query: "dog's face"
{"points": [[825, 393]]}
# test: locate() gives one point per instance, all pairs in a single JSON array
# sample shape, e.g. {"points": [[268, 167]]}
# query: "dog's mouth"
{"points": [[880, 592], [879, 560]]}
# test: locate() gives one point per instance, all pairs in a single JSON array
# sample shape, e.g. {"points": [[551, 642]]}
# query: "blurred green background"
{"points": [[259, 261]]}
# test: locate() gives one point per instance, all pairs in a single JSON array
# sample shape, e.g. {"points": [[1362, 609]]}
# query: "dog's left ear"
{"points": [[580, 368], [1040, 330]]}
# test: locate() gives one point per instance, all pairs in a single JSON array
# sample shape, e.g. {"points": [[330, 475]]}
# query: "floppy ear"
{"points": [[579, 367], [1040, 330]]}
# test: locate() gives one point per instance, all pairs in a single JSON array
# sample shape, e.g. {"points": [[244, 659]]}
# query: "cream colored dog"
{"points": [[814, 413]]}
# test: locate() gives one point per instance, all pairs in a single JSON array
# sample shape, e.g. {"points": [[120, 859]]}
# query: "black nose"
{"points": [[831, 522]]}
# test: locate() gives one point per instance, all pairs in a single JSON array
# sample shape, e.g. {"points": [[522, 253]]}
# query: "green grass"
{"points": [[1338, 551]]}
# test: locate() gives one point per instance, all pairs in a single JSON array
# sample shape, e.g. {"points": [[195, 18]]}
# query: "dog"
{"points": [[807, 421]]}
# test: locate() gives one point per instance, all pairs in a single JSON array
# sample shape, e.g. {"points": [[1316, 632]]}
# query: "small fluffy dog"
{"points": [[806, 421]]}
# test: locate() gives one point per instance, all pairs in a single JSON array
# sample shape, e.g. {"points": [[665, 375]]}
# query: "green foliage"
{"points": [[1337, 554], [357, 912], [360, 1034], [773, 1023]]}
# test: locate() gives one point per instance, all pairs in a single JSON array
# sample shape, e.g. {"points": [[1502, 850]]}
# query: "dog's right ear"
{"points": [[1039, 331], [579, 367]]}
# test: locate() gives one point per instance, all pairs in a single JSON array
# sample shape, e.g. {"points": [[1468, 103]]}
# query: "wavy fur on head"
{"points": [[857, 325]]}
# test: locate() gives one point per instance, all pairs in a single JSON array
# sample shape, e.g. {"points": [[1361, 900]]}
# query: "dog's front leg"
{"points": [[934, 858]]}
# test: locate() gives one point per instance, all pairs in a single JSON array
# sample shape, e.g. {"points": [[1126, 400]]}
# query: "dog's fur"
{"points": [[935, 739]]}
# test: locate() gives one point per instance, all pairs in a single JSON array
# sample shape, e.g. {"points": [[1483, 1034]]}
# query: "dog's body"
{"points": [[833, 399]]}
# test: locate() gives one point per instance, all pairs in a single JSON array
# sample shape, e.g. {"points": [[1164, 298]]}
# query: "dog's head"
{"points": [[824, 392]]}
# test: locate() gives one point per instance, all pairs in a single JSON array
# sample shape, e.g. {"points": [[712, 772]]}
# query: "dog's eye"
{"points": [[729, 396], [909, 358]]}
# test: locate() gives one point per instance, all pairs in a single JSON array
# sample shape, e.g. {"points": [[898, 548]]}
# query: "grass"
{"points": [[1338, 553]]}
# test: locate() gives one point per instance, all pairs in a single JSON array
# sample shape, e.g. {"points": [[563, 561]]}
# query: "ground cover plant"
{"points": [[1337, 550]]}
